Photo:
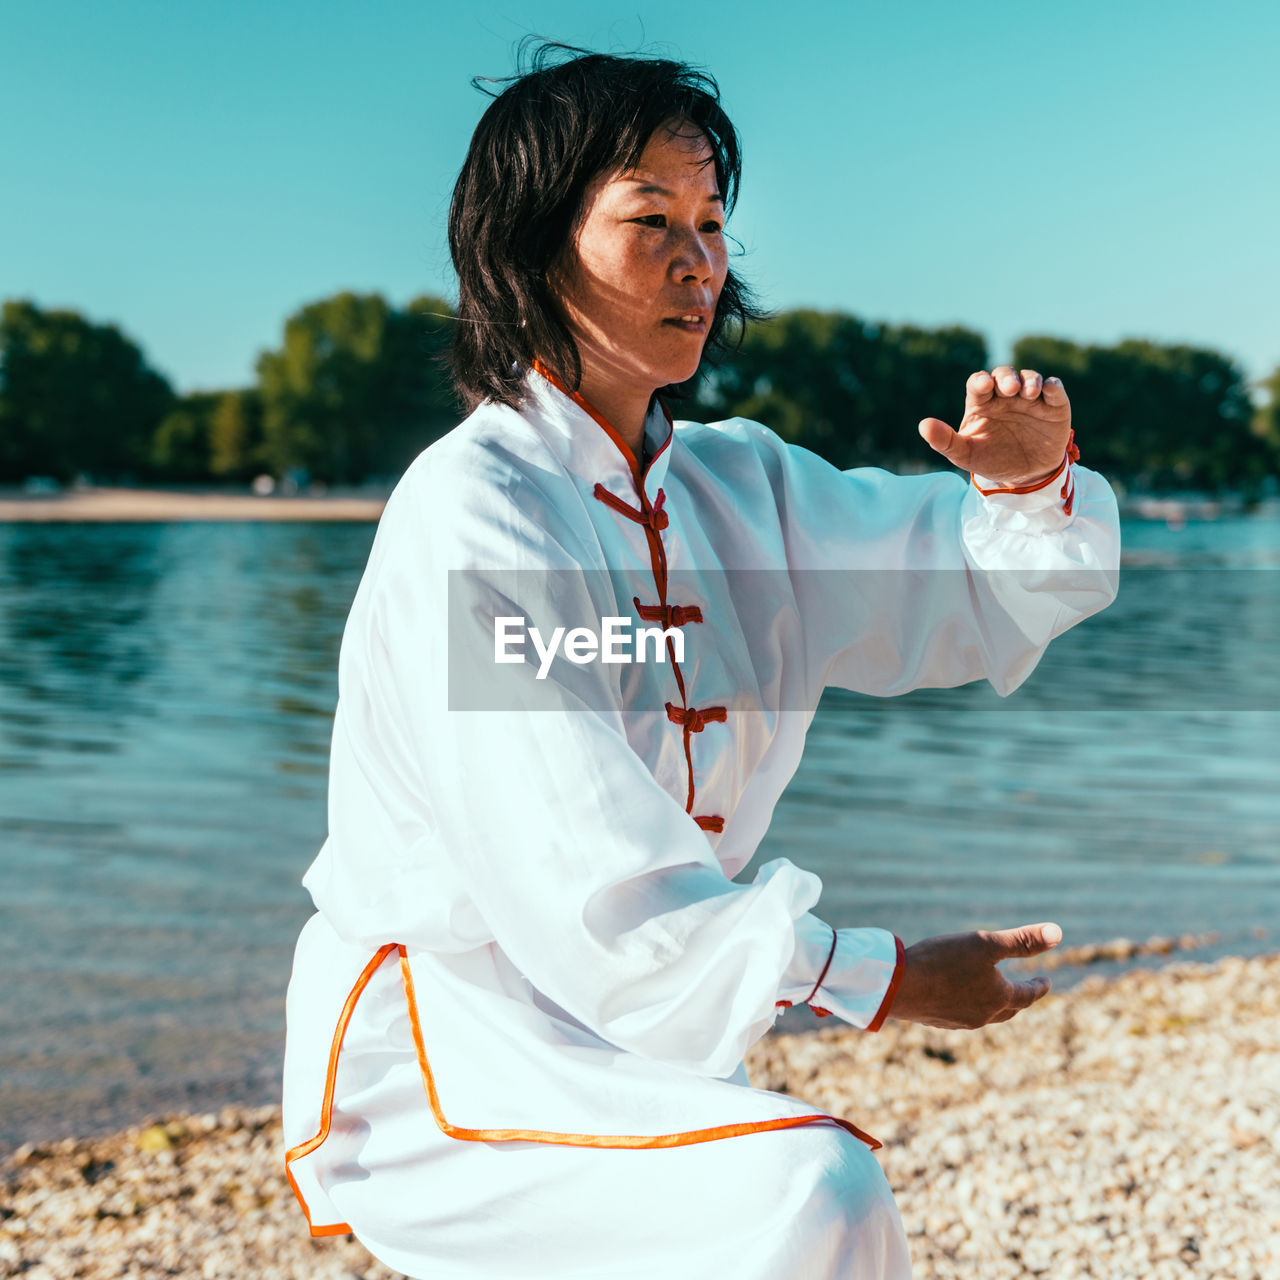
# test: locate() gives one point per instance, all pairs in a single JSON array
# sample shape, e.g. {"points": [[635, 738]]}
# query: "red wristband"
{"points": [[1072, 454]]}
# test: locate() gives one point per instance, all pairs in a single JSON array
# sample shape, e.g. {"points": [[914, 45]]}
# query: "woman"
{"points": [[517, 1022]]}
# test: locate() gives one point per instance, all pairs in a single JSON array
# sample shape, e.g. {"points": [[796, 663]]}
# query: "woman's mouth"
{"points": [[691, 322]]}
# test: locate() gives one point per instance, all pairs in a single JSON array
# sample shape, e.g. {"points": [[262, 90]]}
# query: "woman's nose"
{"points": [[692, 262]]}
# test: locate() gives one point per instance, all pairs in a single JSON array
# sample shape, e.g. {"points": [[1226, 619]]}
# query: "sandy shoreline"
{"points": [[1128, 1128], [171, 505], [144, 505]]}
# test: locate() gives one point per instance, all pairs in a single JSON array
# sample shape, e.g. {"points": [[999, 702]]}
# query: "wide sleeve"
{"points": [[533, 822], [905, 582]]}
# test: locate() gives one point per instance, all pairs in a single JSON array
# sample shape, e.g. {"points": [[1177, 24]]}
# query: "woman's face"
{"points": [[639, 284]]}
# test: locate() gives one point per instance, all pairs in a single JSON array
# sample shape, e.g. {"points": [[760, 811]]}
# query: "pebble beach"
{"points": [[1127, 1128]]}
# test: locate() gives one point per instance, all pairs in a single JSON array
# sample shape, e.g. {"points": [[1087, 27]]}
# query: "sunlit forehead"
{"points": [[644, 185], [677, 163]]}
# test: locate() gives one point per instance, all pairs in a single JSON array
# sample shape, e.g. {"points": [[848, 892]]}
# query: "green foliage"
{"points": [[209, 435], [236, 446], [356, 389], [180, 446], [74, 396], [1158, 416], [1266, 420], [846, 388]]}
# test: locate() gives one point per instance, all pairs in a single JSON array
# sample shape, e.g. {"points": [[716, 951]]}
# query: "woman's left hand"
{"points": [[1014, 430]]}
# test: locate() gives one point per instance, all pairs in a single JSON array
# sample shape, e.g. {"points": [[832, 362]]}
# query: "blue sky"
{"points": [[195, 171]]}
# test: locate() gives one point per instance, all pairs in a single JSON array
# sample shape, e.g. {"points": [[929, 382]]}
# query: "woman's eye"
{"points": [[660, 220]]}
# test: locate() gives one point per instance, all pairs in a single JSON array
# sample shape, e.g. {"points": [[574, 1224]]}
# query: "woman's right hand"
{"points": [[952, 980]]}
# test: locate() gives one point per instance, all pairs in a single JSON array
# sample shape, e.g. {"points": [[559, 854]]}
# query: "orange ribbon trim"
{"points": [[683, 1138]]}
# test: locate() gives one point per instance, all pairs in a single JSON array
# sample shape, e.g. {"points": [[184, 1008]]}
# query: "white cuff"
{"points": [[861, 979], [1055, 493]]}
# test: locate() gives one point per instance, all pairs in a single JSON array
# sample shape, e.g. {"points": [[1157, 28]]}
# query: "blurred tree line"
{"points": [[357, 388]]}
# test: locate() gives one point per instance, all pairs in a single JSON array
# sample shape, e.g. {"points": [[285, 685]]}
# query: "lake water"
{"points": [[166, 694]]}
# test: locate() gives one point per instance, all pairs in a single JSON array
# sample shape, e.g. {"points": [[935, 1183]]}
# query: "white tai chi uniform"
{"points": [[516, 1025]]}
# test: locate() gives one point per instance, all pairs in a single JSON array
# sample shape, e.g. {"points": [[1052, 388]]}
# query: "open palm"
{"points": [[1014, 431]]}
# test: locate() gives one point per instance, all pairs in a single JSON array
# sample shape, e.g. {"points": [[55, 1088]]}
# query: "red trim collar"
{"points": [[633, 464]]}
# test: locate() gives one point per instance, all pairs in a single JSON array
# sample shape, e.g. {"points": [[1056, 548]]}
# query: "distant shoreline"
{"points": [[176, 504], [102, 505]]}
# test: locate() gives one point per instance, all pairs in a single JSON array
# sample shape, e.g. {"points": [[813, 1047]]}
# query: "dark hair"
{"points": [[556, 126]]}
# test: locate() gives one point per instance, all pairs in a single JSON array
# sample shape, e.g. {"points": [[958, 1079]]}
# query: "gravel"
{"points": [[1127, 1128]]}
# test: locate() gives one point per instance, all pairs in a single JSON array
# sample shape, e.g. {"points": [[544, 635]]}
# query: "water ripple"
{"points": [[166, 701]]}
